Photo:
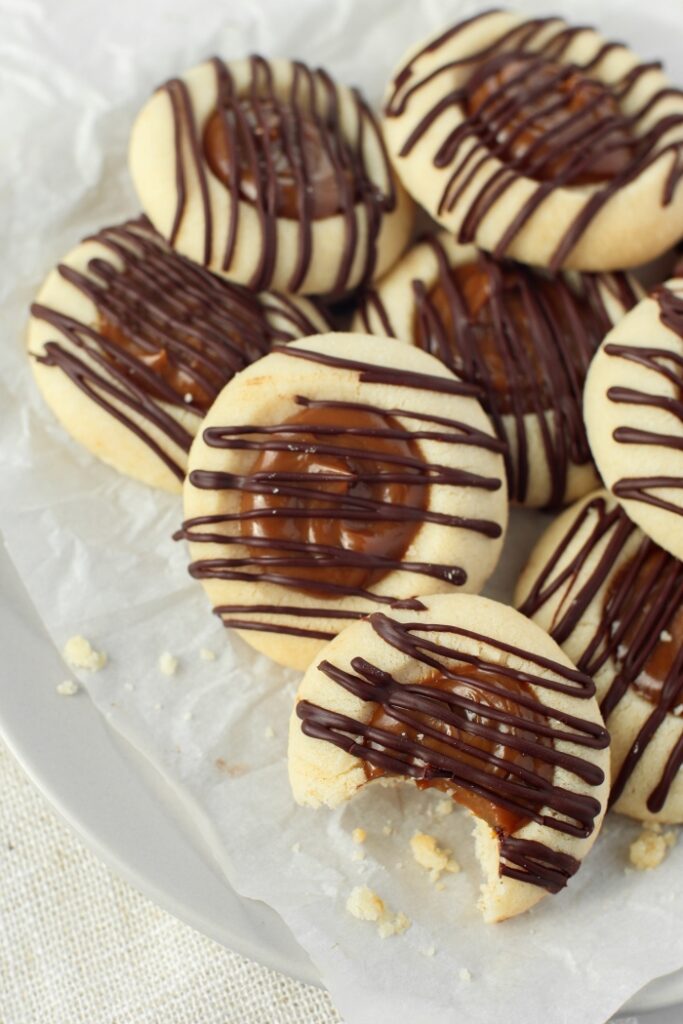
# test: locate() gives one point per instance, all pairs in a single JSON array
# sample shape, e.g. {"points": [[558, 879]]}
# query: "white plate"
{"points": [[132, 819]]}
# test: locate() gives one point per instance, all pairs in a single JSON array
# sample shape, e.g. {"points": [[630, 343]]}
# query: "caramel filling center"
{"points": [[279, 158], [192, 378], [485, 753], [550, 119], [324, 487], [500, 329]]}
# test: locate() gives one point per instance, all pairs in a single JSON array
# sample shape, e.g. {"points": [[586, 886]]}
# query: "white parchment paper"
{"points": [[95, 552]]}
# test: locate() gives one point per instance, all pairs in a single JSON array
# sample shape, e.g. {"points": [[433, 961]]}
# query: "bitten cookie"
{"points": [[130, 343], [525, 336], [540, 141], [467, 695], [272, 174], [336, 476], [633, 408], [613, 600]]}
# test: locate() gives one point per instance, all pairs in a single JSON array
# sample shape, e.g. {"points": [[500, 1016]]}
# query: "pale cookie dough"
{"points": [[137, 407], [449, 163], [456, 464], [613, 600], [234, 229], [364, 669], [633, 407], [422, 301]]}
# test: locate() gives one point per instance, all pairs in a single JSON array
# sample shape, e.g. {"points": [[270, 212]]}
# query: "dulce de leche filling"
{"points": [[326, 483], [497, 333], [195, 378], [651, 616], [550, 119], [459, 741], [280, 158]]}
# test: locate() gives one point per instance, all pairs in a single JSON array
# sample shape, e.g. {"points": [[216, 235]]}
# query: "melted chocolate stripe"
{"points": [[369, 373], [476, 141], [534, 863], [520, 790], [628, 632]]}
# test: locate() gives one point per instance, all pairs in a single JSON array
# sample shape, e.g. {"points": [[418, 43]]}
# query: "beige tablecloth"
{"points": [[79, 946]]}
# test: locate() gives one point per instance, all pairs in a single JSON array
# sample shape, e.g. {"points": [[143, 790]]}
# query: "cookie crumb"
{"points": [[359, 835], [650, 848], [187, 717], [429, 951], [358, 855], [295, 847], [79, 653], [665, 636], [444, 807], [128, 687], [366, 905], [269, 732], [67, 688], [431, 856], [465, 974], [387, 830], [206, 654], [394, 924], [168, 664]]}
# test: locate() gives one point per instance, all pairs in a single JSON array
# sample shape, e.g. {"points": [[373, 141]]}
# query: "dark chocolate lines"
{"points": [[473, 144], [248, 565], [546, 372], [312, 94], [625, 633], [208, 328], [522, 791], [668, 364]]}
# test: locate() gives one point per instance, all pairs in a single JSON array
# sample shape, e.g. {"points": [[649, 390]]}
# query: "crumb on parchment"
{"points": [[79, 653], [359, 835], [444, 807], [431, 856], [366, 905], [67, 688], [168, 663], [465, 974], [650, 848], [206, 654]]}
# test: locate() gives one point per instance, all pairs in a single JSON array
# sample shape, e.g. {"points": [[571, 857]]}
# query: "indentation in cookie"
{"points": [[345, 483], [280, 157], [550, 120]]}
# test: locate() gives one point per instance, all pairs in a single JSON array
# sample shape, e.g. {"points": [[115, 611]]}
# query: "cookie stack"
{"points": [[346, 494]]}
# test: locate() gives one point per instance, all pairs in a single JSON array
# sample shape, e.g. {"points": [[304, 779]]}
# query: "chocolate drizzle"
{"points": [[529, 794], [310, 115], [168, 334], [295, 563], [640, 607], [577, 143], [526, 339], [669, 365]]}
